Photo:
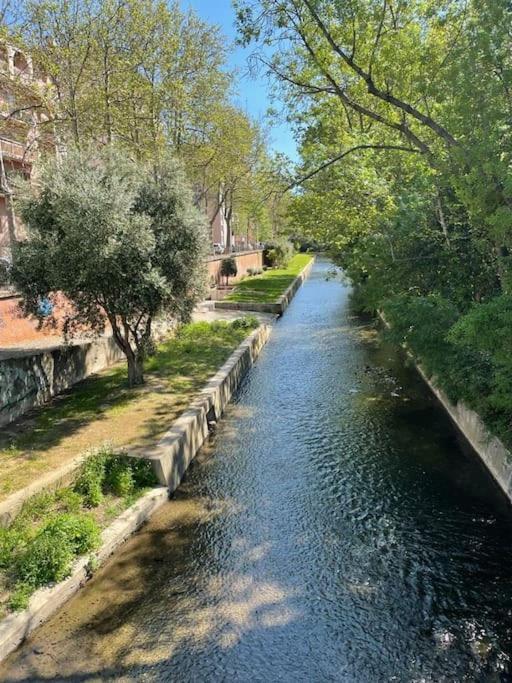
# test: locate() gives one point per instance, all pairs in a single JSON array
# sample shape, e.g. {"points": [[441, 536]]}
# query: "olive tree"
{"points": [[123, 243]]}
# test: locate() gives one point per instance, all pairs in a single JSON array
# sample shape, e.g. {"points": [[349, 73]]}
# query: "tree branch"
{"points": [[437, 128], [337, 158]]}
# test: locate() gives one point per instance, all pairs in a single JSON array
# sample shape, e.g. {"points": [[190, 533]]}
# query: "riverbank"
{"points": [[270, 292], [169, 460], [103, 408], [493, 453]]}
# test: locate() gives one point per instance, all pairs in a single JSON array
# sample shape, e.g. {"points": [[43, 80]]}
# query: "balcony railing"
{"points": [[15, 151]]}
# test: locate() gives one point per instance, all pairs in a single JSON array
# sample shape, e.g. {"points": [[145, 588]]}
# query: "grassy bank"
{"points": [[270, 285], [54, 528], [102, 408]]}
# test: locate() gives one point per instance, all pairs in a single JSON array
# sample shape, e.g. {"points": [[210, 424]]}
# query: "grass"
{"points": [[269, 286], [103, 408], [53, 528]]}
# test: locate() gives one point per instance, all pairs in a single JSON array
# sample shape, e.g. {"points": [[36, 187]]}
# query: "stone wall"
{"points": [[30, 378], [244, 260]]}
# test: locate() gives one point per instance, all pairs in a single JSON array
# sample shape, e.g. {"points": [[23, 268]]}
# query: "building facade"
{"points": [[25, 131]]}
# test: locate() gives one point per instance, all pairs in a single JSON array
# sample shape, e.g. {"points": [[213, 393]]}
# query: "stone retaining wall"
{"points": [[491, 451], [495, 456], [177, 448]]}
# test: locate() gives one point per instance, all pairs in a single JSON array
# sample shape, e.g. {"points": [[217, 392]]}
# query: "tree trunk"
{"points": [[135, 369]]}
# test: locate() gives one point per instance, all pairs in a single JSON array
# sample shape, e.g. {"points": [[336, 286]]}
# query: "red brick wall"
{"points": [[17, 330], [244, 260]]}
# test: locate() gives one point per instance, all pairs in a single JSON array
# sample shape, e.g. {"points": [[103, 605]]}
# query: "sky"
{"points": [[252, 93]]}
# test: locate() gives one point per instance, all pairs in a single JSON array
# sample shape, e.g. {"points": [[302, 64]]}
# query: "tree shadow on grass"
{"points": [[178, 370]]}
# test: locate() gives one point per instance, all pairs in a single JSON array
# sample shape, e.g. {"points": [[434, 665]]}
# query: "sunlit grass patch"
{"points": [[270, 285]]}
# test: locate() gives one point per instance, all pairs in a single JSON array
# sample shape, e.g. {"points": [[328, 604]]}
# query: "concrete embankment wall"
{"points": [[177, 448], [30, 378], [492, 452], [276, 308], [490, 449]]}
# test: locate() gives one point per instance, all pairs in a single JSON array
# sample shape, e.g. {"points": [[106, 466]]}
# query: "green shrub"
{"points": [[49, 556], [47, 559], [12, 542], [91, 477], [249, 322], [20, 596], [277, 253], [143, 473], [119, 476], [79, 530]]}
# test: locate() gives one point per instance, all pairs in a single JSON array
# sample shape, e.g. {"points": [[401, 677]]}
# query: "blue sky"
{"points": [[253, 94]]}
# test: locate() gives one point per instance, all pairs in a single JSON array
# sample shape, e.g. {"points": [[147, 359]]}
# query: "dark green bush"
{"points": [[47, 559], [20, 596], [119, 476], [12, 541], [277, 253], [143, 473], [91, 478], [49, 556], [79, 530], [248, 322]]}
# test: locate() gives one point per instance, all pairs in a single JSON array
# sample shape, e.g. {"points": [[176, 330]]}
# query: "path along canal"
{"points": [[335, 530]]}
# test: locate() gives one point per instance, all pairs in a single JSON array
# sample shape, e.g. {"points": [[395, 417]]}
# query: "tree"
{"points": [[425, 80], [124, 244], [228, 268]]}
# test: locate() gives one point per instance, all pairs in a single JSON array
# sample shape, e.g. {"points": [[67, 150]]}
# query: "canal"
{"points": [[336, 529]]}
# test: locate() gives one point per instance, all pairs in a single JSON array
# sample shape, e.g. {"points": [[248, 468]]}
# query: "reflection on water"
{"points": [[335, 530]]}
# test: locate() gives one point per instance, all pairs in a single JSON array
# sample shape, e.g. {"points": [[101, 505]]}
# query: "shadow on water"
{"points": [[336, 529]]}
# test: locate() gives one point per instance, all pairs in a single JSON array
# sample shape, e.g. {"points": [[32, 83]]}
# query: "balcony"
{"points": [[15, 151]]}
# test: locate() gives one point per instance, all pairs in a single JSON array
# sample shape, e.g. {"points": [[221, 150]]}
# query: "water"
{"points": [[335, 530]]}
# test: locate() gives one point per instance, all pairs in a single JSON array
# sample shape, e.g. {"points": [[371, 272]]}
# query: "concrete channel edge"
{"points": [[493, 453], [170, 459]]}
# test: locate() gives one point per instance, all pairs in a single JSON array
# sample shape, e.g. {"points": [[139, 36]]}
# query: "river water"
{"points": [[336, 529]]}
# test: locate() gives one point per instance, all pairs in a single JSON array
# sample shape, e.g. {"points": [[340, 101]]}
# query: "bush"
{"points": [[12, 541], [277, 254], [228, 268], [119, 476], [143, 473], [91, 477], [249, 322], [48, 558], [20, 597], [79, 530]]}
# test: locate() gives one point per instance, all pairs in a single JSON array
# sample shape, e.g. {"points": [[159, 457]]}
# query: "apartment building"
{"points": [[25, 131]]}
